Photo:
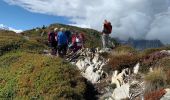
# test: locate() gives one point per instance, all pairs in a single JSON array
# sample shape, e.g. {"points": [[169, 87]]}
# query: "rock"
{"points": [[91, 75], [81, 65], [136, 68], [121, 92], [167, 95], [118, 79], [96, 58], [165, 51]]}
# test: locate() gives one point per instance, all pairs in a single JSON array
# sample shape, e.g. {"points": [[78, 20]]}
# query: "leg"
{"points": [[107, 40], [59, 50], [64, 49], [104, 40]]}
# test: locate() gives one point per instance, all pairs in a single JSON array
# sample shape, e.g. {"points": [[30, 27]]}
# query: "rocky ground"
{"points": [[127, 84]]}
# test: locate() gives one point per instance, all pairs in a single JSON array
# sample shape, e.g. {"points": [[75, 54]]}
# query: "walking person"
{"points": [[52, 41], [62, 43], [107, 29]]}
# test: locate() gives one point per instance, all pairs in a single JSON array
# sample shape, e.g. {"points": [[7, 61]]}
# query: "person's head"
{"points": [[55, 29], [105, 21], [61, 29]]}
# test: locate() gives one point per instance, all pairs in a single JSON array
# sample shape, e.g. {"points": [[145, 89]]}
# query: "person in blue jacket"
{"points": [[62, 43]]}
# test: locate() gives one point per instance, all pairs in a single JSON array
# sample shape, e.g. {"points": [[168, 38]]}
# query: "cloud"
{"points": [[130, 18], [3, 27]]}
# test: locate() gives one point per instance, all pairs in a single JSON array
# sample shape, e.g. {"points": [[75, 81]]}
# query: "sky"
{"points": [[20, 18], [138, 19]]}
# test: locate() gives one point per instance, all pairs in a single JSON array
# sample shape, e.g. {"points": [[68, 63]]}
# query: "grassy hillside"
{"points": [[27, 74]]}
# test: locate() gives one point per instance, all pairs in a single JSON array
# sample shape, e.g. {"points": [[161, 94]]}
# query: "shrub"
{"points": [[8, 43], [165, 65], [120, 62], [151, 60], [33, 46], [155, 80], [155, 95], [34, 76]]}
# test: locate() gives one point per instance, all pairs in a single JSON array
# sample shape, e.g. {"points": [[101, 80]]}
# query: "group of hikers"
{"points": [[63, 40]]}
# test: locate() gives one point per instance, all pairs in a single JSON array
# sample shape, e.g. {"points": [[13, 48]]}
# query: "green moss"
{"points": [[34, 76]]}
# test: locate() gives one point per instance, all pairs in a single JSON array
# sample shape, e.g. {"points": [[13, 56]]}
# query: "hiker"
{"points": [[52, 41], [62, 43], [107, 29], [77, 42], [82, 38], [68, 34]]}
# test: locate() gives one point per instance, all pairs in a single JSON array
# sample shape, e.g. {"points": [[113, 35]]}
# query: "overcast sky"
{"points": [[149, 19]]}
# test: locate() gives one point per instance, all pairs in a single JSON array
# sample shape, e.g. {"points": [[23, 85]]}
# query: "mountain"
{"points": [[3, 27], [142, 43]]}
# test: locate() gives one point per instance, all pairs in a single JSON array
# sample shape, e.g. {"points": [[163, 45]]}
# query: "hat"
{"points": [[55, 29], [61, 29]]}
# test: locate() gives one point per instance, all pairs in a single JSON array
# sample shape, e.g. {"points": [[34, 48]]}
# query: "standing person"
{"points": [[82, 38], [52, 41], [62, 43], [68, 34], [107, 29]]}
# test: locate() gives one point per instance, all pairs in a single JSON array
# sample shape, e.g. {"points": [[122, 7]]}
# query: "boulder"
{"points": [[121, 92], [136, 68]]}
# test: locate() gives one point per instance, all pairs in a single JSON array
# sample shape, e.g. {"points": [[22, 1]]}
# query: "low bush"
{"points": [[123, 61], [151, 60], [155, 95], [155, 80], [33, 76]]}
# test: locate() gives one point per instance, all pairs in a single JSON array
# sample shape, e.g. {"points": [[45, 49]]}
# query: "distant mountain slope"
{"points": [[143, 44], [3, 27]]}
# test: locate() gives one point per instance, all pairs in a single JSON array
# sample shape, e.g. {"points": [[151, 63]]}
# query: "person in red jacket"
{"points": [[107, 29], [77, 42], [52, 40]]}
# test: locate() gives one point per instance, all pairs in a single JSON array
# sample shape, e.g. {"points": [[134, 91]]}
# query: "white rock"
{"points": [[121, 92], [167, 95], [150, 69], [136, 68], [96, 58], [165, 51], [115, 79]]}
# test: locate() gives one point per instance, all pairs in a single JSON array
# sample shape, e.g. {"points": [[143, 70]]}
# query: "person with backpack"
{"points": [[62, 43], [52, 41], [68, 34], [77, 42], [107, 29], [82, 38]]}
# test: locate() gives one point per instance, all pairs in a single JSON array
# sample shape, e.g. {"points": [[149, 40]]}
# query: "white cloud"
{"points": [[130, 18], [3, 27]]}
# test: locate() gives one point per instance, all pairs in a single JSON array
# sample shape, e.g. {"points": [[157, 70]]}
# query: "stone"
{"points": [[121, 92], [136, 68]]}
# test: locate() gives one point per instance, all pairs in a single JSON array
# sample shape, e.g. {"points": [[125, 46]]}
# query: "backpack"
{"points": [[52, 37], [62, 38], [107, 28]]}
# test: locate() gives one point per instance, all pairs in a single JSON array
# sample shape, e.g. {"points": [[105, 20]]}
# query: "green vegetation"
{"points": [[27, 74], [155, 80], [123, 57]]}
